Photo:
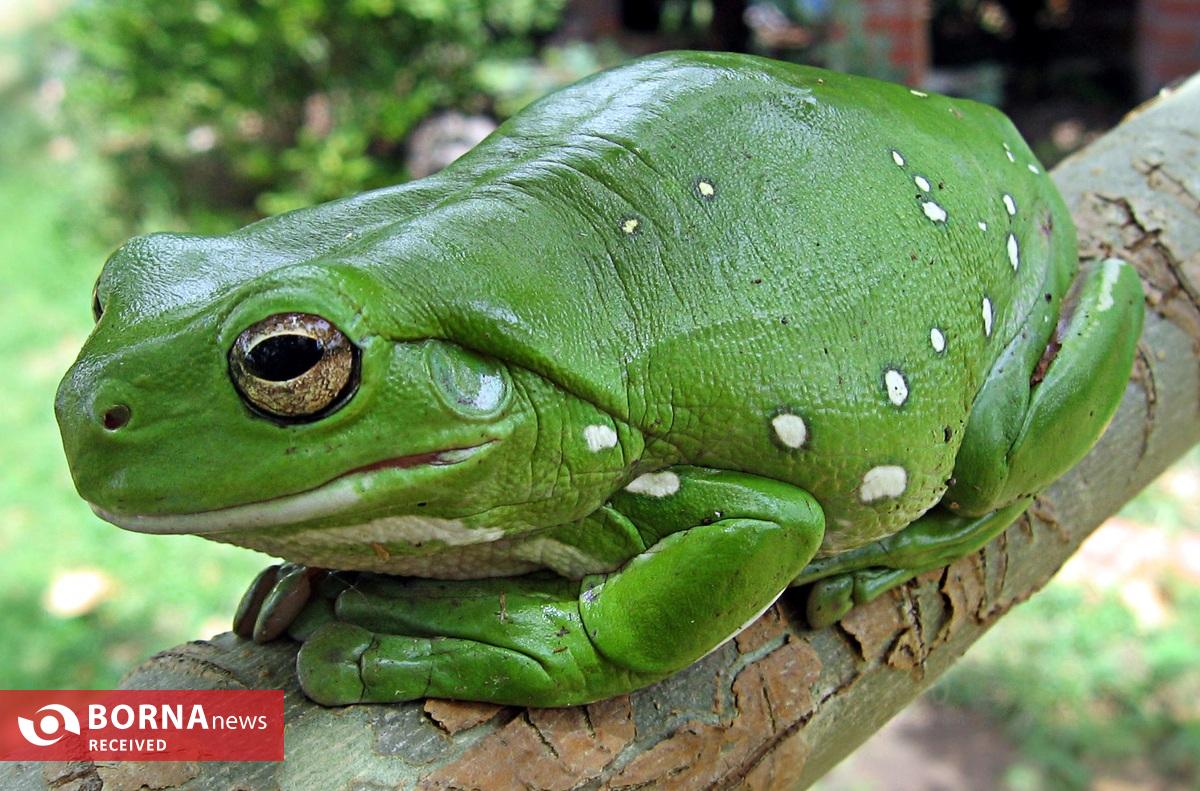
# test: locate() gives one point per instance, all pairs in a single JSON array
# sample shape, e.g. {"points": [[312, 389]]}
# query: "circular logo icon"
{"points": [[43, 732]]}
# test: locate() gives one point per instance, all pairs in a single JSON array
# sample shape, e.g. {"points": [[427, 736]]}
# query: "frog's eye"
{"points": [[295, 367], [97, 308]]}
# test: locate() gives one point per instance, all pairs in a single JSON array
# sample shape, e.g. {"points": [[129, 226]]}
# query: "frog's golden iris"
{"points": [[294, 367]]}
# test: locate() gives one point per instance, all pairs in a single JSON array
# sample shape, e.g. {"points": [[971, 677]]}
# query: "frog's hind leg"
{"points": [[936, 539], [1042, 407]]}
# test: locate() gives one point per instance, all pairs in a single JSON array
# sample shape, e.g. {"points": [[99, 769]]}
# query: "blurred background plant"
{"points": [[202, 115], [277, 105]]}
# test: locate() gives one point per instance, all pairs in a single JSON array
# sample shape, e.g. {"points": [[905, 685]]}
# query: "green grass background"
{"points": [[164, 590]]}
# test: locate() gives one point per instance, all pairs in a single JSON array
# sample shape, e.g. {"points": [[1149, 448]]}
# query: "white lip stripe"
{"points": [[332, 498], [337, 496]]}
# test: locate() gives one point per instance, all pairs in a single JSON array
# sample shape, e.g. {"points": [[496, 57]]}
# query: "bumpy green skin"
{"points": [[711, 325]]}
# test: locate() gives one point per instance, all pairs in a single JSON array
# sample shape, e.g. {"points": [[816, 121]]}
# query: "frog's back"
{"points": [[782, 270]]}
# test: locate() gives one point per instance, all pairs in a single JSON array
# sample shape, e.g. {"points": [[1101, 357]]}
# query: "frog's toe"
{"points": [[285, 601], [829, 600], [833, 597], [252, 601], [328, 664], [274, 600]]}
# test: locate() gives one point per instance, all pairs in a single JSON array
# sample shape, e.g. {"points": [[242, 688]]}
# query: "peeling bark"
{"points": [[779, 705]]}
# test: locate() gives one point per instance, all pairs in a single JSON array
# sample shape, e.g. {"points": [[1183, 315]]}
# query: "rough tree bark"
{"points": [[780, 705]]}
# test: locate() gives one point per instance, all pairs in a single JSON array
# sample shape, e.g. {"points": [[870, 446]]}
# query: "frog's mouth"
{"points": [[337, 495]]}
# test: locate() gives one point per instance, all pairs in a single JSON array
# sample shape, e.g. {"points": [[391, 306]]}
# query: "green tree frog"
{"points": [[568, 414]]}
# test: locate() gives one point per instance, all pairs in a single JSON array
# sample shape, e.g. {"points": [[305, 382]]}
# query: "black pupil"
{"points": [[283, 357]]}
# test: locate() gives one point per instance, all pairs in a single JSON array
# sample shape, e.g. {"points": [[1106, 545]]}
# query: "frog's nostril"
{"points": [[116, 417]]}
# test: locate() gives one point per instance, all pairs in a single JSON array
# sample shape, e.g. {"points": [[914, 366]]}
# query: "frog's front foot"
{"points": [[274, 601], [509, 640]]}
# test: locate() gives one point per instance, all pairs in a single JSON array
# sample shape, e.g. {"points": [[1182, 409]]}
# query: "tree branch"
{"points": [[780, 705]]}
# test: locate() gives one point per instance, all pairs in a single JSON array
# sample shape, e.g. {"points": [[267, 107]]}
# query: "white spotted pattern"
{"points": [[922, 183], [1033, 168], [881, 482], [897, 388], [933, 211], [706, 189], [1013, 252], [920, 94], [982, 225], [630, 225], [937, 340], [654, 484], [987, 317], [1010, 205], [897, 158], [790, 429], [599, 438]]}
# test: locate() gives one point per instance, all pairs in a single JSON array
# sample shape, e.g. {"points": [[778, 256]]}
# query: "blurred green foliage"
{"points": [[278, 104], [57, 635], [1083, 691]]}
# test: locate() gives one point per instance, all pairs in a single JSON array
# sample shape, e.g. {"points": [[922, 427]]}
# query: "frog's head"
{"points": [[227, 390]]}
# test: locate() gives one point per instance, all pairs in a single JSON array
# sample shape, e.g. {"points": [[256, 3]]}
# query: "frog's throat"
{"points": [[336, 496]]}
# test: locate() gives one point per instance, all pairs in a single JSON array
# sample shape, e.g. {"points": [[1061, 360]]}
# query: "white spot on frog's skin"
{"points": [[897, 388], [919, 94], [630, 225], [654, 484], [987, 317], [897, 158], [884, 481], [1014, 253], [1033, 169], [982, 225], [1112, 271], [599, 438], [933, 211], [706, 189], [1009, 154], [937, 340], [922, 183], [790, 429], [1010, 205]]}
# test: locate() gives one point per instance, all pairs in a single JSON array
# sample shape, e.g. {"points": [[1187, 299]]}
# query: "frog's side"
{"points": [[752, 317]]}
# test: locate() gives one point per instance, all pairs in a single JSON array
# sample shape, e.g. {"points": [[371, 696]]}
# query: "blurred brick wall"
{"points": [[1168, 42], [902, 26], [905, 26]]}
